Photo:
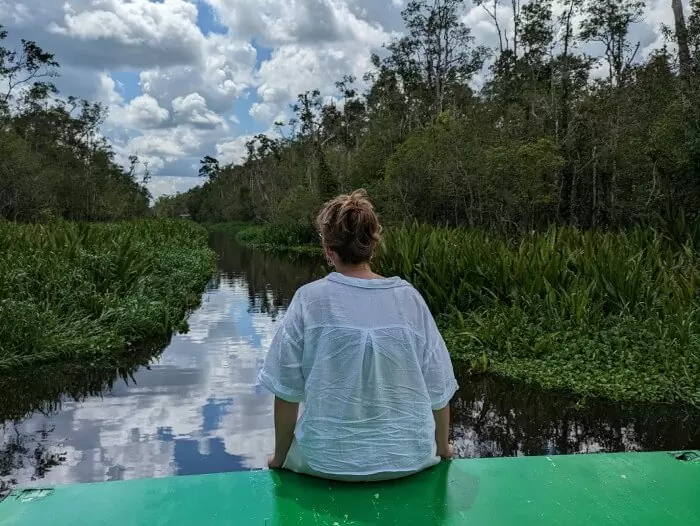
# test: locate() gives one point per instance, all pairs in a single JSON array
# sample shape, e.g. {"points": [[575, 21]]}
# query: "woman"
{"points": [[365, 357]]}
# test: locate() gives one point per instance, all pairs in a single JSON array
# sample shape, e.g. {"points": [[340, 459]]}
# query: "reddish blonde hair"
{"points": [[350, 227]]}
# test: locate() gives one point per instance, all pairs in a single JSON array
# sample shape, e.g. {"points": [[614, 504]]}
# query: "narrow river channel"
{"points": [[196, 408]]}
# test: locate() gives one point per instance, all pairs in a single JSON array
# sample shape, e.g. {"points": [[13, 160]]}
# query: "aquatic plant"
{"points": [[294, 238], [614, 314], [79, 290]]}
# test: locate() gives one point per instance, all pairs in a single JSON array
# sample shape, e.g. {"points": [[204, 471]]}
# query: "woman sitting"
{"points": [[364, 356]]}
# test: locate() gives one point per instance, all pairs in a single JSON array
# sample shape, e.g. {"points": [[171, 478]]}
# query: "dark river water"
{"points": [[196, 408]]}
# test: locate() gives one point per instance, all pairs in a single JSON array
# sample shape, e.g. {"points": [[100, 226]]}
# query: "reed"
{"points": [[614, 314], [78, 290]]}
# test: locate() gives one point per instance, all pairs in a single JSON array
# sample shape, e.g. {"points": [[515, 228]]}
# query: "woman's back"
{"points": [[364, 355], [371, 369]]}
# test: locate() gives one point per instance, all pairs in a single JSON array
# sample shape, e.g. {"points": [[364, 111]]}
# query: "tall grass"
{"points": [[76, 290], [611, 314]]}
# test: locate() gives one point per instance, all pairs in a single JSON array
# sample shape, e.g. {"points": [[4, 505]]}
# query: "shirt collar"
{"points": [[383, 283]]}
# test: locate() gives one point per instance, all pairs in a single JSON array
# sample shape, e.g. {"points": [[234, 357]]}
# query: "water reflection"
{"points": [[494, 418], [196, 408]]}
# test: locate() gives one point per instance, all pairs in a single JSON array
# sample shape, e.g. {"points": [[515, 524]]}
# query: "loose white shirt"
{"points": [[369, 365]]}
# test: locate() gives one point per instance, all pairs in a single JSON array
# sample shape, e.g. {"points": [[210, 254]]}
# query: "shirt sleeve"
{"points": [[438, 372], [282, 372]]}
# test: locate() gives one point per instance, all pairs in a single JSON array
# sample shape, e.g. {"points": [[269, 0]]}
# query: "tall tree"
{"points": [[437, 54], [607, 22], [682, 40]]}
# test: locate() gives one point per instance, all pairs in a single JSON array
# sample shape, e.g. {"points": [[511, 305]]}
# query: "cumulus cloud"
{"points": [[192, 109], [223, 75], [232, 151], [114, 33], [170, 185], [314, 43], [277, 22], [141, 112]]}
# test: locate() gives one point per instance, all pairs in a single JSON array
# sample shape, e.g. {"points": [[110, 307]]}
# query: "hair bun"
{"points": [[350, 227]]}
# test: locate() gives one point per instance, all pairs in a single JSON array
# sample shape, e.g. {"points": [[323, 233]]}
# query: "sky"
{"points": [[187, 78]]}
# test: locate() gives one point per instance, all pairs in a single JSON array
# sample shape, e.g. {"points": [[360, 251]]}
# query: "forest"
{"points": [[563, 123], [53, 160]]}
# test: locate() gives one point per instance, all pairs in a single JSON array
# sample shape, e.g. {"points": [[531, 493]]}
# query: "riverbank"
{"points": [[613, 315], [604, 315], [73, 291], [290, 239]]}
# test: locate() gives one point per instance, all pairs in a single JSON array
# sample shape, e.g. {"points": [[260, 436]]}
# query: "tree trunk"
{"points": [[594, 206], [566, 203], [682, 38]]}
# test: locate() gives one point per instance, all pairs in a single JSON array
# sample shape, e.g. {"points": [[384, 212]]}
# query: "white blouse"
{"points": [[368, 362]]}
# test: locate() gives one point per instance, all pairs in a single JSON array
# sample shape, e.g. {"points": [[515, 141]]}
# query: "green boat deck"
{"points": [[616, 489]]}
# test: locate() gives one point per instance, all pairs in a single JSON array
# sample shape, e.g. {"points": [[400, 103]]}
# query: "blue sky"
{"points": [[187, 78]]}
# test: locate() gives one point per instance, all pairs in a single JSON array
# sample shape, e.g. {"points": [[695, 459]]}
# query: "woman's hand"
{"points": [[446, 452], [274, 463]]}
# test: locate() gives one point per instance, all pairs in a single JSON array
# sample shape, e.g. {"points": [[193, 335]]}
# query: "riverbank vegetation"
{"points": [[615, 315], [92, 291]]}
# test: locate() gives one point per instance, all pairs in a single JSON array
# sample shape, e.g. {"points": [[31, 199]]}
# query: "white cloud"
{"points": [[315, 43], [18, 13], [233, 151], [174, 142], [142, 112], [171, 185], [192, 109], [222, 76], [294, 69], [133, 32], [276, 22]]}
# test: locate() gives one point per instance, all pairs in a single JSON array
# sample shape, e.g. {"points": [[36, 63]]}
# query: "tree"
{"points": [[607, 22], [682, 40], [209, 168], [437, 53], [23, 70]]}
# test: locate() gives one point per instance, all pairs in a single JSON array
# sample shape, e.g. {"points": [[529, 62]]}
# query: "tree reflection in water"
{"points": [[42, 390], [493, 417], [25, 452]]}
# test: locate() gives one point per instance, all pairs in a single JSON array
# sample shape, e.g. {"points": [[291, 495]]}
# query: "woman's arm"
{"points": [[282, 375], [439, 378], [286, 414], [442, 432]]}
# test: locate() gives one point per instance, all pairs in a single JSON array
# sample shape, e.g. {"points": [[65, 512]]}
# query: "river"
{"points": [[196, 407]]}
